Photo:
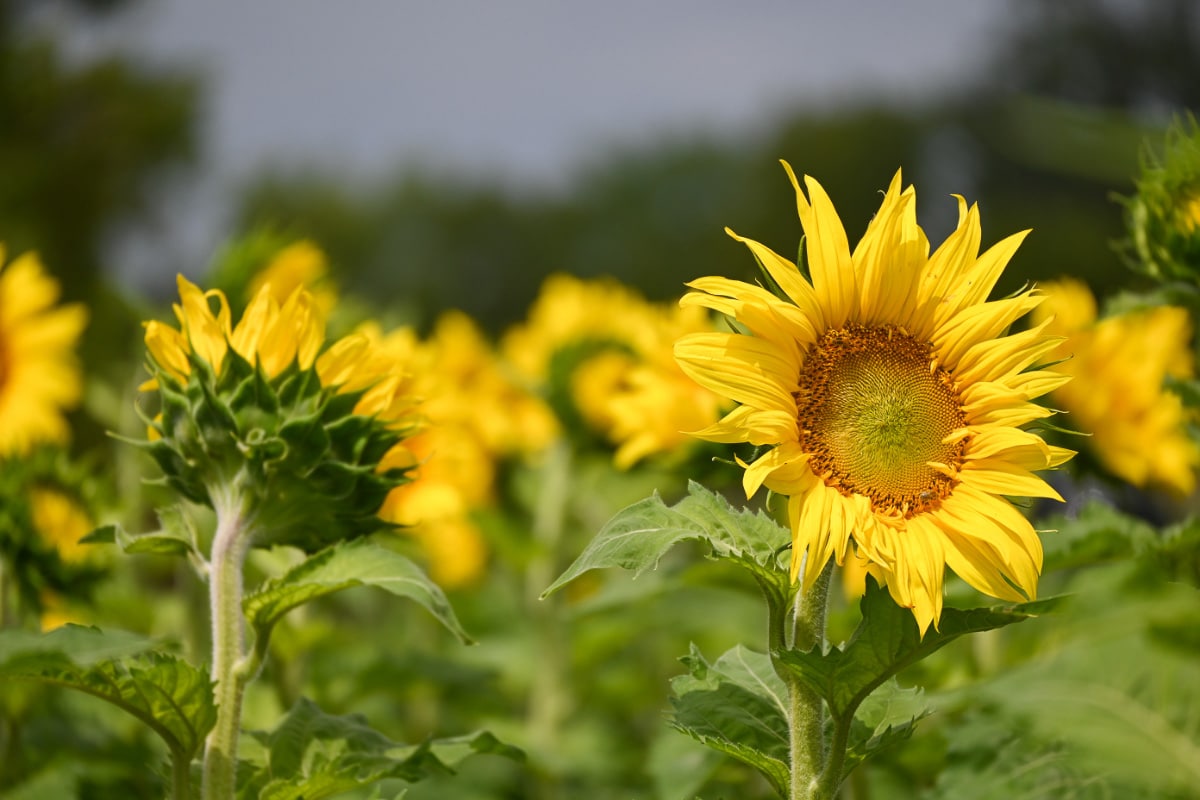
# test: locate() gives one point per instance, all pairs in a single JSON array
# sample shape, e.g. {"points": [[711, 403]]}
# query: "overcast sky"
{"points": [[523, 89]]}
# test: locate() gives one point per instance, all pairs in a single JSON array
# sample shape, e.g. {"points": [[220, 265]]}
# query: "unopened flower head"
{"points": [[1138, 430], [39, 376], [1163, 216], [891, 399], [262, 408]]}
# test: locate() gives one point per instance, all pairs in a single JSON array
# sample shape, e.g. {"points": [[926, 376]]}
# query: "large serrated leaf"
{"points": [[888, 640], [732, 707], [166, 693], [639, 535], [343, 566], [313, 755]]}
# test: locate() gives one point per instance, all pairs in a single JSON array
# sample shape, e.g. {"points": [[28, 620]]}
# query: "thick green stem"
{"points": [[549, 696], [806, 710], [181, 776], [229, 672]]}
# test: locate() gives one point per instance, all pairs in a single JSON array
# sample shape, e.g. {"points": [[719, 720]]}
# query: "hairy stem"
{"points": [[806, 710], [229, 548]]}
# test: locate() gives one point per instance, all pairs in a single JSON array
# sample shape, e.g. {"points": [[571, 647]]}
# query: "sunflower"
{"points": [[263, 409], [1139, 431], [39, 377], [891, 397]]}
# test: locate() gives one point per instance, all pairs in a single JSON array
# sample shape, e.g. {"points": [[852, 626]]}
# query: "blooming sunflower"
{"points": [[891, 397], [1138, 429], [39, 377]]}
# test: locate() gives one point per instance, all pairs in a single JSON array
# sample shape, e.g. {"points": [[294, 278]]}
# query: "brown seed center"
{"points": [[873, 408]]}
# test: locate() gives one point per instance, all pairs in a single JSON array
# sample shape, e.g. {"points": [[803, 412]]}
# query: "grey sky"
{"points": [[525, 88]]}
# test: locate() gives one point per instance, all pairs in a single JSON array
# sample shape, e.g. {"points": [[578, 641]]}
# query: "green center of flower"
{"points": [[874, 409]]}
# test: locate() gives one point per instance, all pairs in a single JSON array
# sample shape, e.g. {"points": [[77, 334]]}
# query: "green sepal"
{"points": [[311, 755], [736, 706], [640, 534], [169, 695], [344, 566]]}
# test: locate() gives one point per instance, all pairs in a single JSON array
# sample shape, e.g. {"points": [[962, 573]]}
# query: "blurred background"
{"points": [[452, 155]]}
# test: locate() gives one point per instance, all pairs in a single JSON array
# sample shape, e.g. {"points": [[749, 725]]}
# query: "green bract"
{"points": [[293, 450], [1163, 217]]}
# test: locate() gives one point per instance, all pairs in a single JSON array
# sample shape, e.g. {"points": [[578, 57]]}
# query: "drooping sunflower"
{"points": [[39, 377], [264, 409], [892, 398]]}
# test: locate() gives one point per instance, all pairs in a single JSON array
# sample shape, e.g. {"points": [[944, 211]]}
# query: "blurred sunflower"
{"points": [[39, 377], [892, 398], [1138, 429], [477, 417], [602, 354], [298, 264]]}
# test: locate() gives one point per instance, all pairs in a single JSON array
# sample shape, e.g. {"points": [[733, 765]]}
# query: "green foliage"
{"points": [[311, 755], [343, 566], [169, 695], [639, 535], [737, 706], [887, 641]]}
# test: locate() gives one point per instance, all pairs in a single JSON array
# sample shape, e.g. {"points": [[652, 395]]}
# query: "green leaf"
{"points": [[169, 695], [887, 717], [639, 535], [886, 641], [343, 566], [313, 755], [730, 707], [177, 537], [1094, 534]]}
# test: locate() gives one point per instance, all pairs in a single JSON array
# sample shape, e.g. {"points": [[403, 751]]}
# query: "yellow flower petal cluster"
{"points": [[298, 264], [1138, 430], [891, 398], [61, 521], [625, 385], [39, 376], [273, 336], [478, 415]]}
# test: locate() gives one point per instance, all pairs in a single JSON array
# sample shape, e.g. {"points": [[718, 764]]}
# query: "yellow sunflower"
{"points": [[1138, 430], [298, 264], [892, 398], [39, 377]]}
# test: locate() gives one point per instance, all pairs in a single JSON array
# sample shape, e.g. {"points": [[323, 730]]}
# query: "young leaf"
{"points": [[169, 695], [312, 755], [733, 708], [639, 535], [342, 566]]}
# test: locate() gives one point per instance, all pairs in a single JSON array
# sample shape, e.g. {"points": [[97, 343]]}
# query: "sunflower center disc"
{"points": [[874, 412]]}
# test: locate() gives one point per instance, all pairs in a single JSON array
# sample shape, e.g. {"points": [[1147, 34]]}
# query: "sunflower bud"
{"points": [[1163, 217]]}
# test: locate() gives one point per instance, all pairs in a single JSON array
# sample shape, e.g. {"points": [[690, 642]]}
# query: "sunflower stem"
{"points": [[806, 709], [549, 699], [230, 544]]}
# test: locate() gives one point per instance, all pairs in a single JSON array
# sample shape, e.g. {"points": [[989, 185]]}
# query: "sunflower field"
{"points": [[740, 475]]}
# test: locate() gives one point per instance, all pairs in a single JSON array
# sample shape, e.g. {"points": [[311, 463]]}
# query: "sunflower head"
{"points": [[891, 397], [39, 376], [314, 437], [1121, 366], [1163, 216]]}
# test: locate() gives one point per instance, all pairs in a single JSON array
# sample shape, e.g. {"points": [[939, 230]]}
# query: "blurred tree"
{"points": [[81, 145]]}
